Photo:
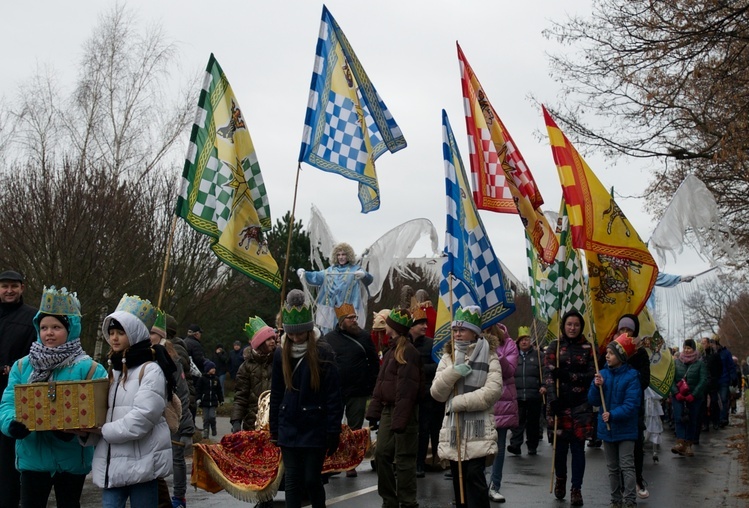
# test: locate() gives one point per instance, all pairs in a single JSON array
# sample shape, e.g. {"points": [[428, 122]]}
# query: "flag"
{"points": [[502, 181], [222, 193], [538, 275], [662, 369], [347, 126], [621, 270], [470, 262]]}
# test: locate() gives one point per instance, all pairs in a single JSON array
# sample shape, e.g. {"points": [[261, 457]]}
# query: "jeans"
{"points": [[620, 461], [687, 430], [179, 466], [144, 494], [209, 420], [221, 379], [529, 413], [397, 451], [303, 473], [499, 459], [577, 450], [10, 493], [475, 490], [36, 486]]}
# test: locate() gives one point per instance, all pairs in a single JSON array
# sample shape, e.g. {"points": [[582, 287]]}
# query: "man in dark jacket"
{"points": [[194, 346], [430, 411], [184, 359], [528, 377], [236, 358], [358, 365], [16, 336], [223, 364]]}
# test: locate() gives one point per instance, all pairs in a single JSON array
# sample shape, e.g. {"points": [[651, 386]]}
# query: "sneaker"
{"points": [[515, 450], [576, 497], [642, 492], [560, 487], [178, 502], [495, 496]]}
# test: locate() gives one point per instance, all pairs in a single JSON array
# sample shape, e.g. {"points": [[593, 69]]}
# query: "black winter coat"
{"points": [[528, 375], [357, 361], [17, 333], [209, 391], [195, 350]]}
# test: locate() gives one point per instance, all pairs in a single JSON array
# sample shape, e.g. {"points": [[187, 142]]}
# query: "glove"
{"points": [[689, 398], [374, 424], [359, 274], [463, 369], [332, 442], [300, 273], [18, 430], [63, 436], [236, 426], [680, 397], [684, 390]]}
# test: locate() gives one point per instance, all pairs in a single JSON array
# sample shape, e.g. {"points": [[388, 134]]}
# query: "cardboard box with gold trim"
{"points": [[62, 405]]}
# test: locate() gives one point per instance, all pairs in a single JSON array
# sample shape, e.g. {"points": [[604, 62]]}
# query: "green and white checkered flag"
{"points": [[222, 193]]}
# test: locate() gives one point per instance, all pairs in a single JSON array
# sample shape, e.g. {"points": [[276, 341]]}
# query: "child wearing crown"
{"points": [[133, 447], [52, 458]]}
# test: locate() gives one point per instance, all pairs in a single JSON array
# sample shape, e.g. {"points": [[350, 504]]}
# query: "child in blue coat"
{"points": [[617, 423]]}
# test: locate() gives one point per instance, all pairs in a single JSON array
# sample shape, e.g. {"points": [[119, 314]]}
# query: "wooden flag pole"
{"points": [[166, 261], [534, 334], [288, 241], [600, 387], [455, 390]]}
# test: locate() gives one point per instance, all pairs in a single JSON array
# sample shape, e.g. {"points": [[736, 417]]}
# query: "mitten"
{"points": [[18, 430], [332, 442], [300, 273], [689, 398], [236, 426], [680, 397], [359, 274], [463, 369]]}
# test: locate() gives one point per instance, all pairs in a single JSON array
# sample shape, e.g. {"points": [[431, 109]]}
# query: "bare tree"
{"points": [[708, 308], [668, 81]]}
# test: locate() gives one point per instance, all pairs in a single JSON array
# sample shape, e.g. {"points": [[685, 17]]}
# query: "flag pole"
{"points": [[600, 387], [534, 333], [455, 392], [166, 260], [288, 240]]}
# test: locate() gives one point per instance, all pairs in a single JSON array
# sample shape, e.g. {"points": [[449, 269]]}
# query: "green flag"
{"points": [[222, 193]]}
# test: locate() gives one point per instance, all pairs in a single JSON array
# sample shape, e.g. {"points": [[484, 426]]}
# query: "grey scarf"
{"points": [[472, 423], [46, 359]]}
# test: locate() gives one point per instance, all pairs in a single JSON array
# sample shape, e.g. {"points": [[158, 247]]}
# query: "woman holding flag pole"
{"points": [[469, 380], [568, 371]]}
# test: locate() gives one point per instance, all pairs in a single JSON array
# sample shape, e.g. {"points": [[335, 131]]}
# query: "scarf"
{"points": [[689, 358], [46, 359], [141, 353], [299, 350], [472, 423]]}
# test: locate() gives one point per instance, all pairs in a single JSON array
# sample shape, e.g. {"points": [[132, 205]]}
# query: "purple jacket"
{"points": [[506, 408]]}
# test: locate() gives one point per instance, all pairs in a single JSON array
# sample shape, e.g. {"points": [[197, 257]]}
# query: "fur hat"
{"points": [[468, 317], [378, 321], [622, 347], [258, 332], [297, 314], [400, 320]]}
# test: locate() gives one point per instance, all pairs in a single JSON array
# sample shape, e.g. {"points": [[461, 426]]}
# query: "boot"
{"points": [[576, 497], [560, 487], [688, 449], [679, 447]]}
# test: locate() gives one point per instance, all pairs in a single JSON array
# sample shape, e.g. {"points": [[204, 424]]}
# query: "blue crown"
{"points": [[142, 309], [59, 302]]}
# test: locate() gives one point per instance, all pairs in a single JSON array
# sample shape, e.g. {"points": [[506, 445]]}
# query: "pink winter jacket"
{"points": [[506, 408]]}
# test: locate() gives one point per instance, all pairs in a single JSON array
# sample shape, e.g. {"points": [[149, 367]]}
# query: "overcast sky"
{"points": [[266, 48]]}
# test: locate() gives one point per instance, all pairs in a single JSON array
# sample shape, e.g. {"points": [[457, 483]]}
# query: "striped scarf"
{"points": [[472, 423], [46, 359]]}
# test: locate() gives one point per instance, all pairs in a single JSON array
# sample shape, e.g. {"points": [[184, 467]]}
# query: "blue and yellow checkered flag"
{"points": [[347, 126], [222, 193], [477, 277]]}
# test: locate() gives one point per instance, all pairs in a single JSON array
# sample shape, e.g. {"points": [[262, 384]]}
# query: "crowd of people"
{"points": [[484, 395]]}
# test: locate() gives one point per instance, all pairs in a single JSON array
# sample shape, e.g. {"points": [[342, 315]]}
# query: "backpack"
{"points": [[173, 408]]}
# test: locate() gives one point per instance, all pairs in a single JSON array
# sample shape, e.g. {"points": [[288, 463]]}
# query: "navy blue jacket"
{"points": [[622, 394], [301, 417]]}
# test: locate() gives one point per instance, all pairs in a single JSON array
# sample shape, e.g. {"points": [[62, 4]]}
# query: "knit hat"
{"points": [[297, 315], [622, 347], [468, 317], [258, 332], [208, 365], [400, 320], [630, 322], [344, 310], [159, 327], [690, 343], [378, 321]]}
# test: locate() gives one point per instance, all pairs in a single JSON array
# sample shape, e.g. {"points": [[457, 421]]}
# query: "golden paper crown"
{"points": [[344, 310], [59, 302], [524, 331], [142, 309]]}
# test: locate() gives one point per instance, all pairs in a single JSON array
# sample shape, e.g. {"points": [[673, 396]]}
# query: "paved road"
{"points": [[710, 479]]}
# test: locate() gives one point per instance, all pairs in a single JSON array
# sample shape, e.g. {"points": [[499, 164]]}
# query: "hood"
{"points": [[134, 328], [73, 333]]}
